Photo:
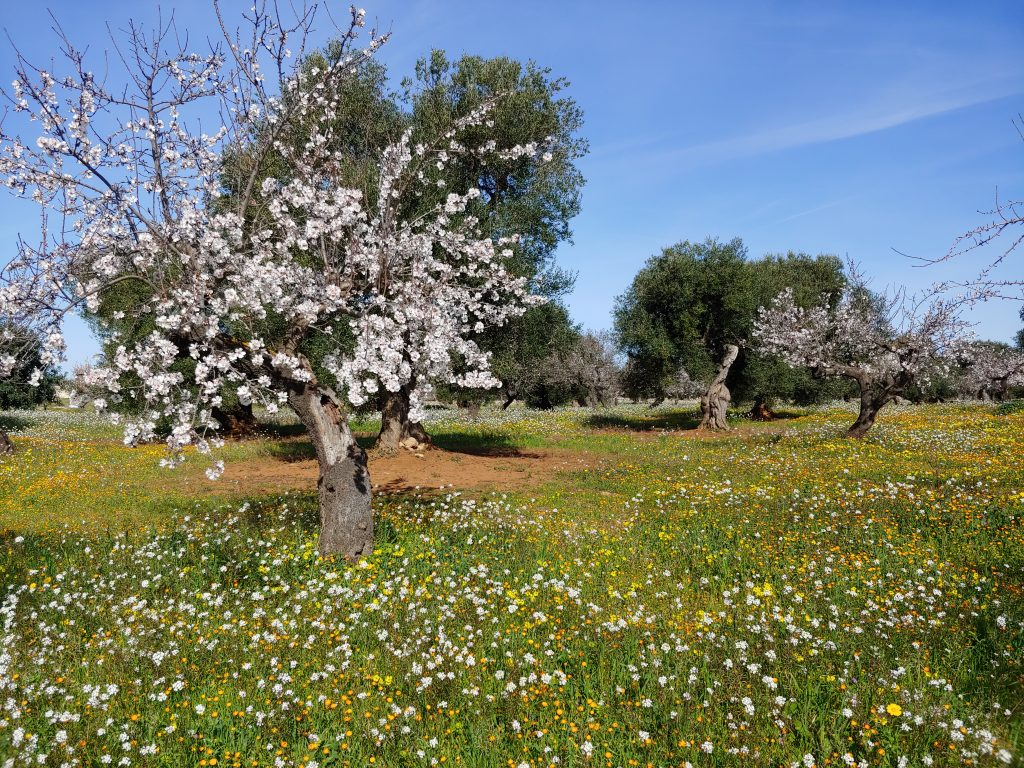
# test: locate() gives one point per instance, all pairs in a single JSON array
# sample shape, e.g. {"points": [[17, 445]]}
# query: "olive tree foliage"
{"points": [[691, 303], [131, 187], [530, 346], [884, 343], [682, 310]]}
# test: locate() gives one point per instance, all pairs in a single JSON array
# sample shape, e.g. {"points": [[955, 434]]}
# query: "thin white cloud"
{"points": [[865, 120], [816, 209]]}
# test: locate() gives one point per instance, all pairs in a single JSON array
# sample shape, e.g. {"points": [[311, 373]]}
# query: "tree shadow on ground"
{"points": [[280, 430], [670, 420], [644, 422], [486, 444], [291, 450], [302, 450], [781, 415], [453, 442], [11, 423]]}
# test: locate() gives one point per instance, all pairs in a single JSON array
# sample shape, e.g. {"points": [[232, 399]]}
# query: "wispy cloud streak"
{"points": [[871, 118]]}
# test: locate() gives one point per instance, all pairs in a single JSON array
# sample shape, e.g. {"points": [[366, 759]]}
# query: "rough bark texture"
{"points": [[239, 421], [395, 425], [875, 393], [760, 411], [715, 402], [870, 405], [346, 519], [6, 446]]}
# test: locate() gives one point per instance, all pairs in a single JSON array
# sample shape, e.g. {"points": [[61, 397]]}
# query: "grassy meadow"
{"points": [[778, 595]]}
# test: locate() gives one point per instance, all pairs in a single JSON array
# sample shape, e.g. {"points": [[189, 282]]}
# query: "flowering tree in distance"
{"points": [[243, 282], [991, 369], [884, 343]]}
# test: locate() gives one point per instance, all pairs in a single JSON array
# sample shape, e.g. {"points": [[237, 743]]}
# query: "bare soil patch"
{"points": [[405, 471]]}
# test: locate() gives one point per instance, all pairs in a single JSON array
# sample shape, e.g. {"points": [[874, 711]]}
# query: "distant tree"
{"points": [[765, 379], [588, 369], [883, 343], [28, 377], [684, 309], [991, 369], [525, 348], [688, 307]]}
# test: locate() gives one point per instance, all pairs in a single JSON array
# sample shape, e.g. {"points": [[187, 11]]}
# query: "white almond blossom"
{"points": [[132, 189], [884, 343]]}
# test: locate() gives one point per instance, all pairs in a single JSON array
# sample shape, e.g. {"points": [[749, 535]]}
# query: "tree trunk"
{"points": [[395, 424], [346, 519], [238, 421], [6, 446], [870, 405], [394, 413], [715, 402], [509, 399], [760, 411]]}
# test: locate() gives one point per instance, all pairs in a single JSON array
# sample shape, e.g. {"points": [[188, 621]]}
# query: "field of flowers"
{"points": [[776, 596]]}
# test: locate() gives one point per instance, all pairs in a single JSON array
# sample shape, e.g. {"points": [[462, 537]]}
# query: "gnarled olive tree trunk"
{"points": [[395, 424], [761, 410], [6, 446], [715, 402], [236, 421], [346, 519]]}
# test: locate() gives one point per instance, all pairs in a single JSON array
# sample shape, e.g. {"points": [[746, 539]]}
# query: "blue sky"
{"points": [[848, 128]]}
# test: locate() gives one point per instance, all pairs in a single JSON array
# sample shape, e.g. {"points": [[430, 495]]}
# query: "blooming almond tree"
{"points": [[991, 369], [884, 343], [243, 281]]}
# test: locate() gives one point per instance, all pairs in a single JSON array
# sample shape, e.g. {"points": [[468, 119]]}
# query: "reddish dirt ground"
{"points": [[405, 471]]}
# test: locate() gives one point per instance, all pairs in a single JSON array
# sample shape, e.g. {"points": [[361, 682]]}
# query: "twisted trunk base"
{"points": [[6, 446], [238, 421], [715, 402], [346, 517], [760, 411], [870, 405], [395, 424]]}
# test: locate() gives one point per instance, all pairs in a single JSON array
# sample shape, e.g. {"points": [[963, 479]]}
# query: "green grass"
{"points": [[775, 595]]}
